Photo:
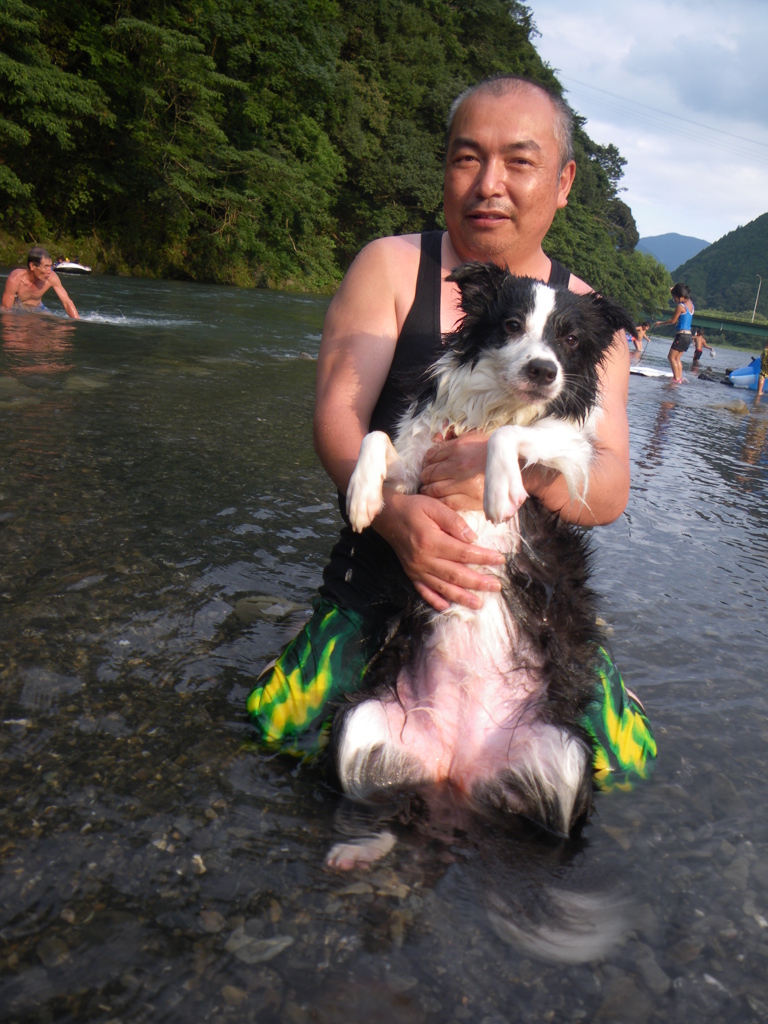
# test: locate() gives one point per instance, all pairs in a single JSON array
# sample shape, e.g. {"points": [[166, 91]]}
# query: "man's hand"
{"points": [[436, 549], [454, 470], [360, 335]]}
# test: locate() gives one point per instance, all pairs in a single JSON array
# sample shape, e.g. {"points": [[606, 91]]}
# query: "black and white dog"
{"points": [[484, 707]]}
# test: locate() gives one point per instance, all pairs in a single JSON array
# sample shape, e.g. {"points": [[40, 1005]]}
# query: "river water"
{"points": [[165, 523]]}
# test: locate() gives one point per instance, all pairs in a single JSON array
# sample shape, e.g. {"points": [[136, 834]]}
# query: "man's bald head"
{"points": [[504, 85]]}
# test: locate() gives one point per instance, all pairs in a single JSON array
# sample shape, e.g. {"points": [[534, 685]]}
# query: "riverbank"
{"points": [[103, 258], [107, 258]]}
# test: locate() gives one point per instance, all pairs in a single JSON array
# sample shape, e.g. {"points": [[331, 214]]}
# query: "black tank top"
{"points": [[364, 573]]}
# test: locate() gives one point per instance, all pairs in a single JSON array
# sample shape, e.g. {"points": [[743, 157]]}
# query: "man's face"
{"points": [[502, 179], [41, 271]]}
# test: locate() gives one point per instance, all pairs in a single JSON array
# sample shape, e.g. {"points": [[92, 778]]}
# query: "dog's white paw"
{"points": [[365, 498], [359, 853], [364, 501], [504, 488], [503, 498]]}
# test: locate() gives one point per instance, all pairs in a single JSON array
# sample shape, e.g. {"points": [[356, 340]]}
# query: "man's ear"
{"points": [[565, 183]]}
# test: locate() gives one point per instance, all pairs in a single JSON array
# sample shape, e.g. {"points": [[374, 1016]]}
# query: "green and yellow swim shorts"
{"points": [[289, 703]]}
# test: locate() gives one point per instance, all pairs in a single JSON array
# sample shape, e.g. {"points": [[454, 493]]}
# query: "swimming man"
{"points": [[24, 289]]}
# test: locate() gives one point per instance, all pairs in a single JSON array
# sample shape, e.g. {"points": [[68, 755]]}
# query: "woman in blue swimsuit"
{"points": [[682, 321]]}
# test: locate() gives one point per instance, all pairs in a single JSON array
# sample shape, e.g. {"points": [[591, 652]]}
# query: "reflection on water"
{"points": [[36, 342], [165, 523], [754, 446], [657, 442]]}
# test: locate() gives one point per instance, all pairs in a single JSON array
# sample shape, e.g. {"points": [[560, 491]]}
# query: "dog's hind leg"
{"points": [[360, 852], [364, 835], [548, 779]]}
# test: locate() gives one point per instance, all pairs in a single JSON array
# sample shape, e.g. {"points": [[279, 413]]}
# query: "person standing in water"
{"points": [[24, 289], [763, 370], [701, 343], [681, 320], [509, 168], [641, 335]]}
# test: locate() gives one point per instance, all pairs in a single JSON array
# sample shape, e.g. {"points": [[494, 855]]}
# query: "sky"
{"points": [[681, 88]]}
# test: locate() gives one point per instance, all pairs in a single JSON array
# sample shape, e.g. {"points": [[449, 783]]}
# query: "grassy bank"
{"points": [[106, 258], [88, 249]]}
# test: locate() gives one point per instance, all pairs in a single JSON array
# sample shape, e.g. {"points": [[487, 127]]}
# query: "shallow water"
{"points": [[157, 472]]}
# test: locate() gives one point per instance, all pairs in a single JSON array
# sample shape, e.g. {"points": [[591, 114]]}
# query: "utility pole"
{"points": [[757, 296]]}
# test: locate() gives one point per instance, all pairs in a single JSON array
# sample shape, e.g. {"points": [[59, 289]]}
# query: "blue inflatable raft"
{"points": [[746, 376]]}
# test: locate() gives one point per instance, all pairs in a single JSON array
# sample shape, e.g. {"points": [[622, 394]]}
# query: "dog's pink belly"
{"points": [[470, 720], [465, 709]]}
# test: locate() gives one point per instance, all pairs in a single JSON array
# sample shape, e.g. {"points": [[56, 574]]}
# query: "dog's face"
{"points": [[542, 345]]}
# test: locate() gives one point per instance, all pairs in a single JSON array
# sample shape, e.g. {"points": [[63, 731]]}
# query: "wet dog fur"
{"points": [[522, 366]]}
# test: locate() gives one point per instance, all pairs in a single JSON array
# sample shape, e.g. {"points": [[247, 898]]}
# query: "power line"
{"points": [[679, 130], [664, 114]]}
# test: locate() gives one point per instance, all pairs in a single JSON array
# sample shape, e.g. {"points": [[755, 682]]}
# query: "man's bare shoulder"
{"points": [[395, 256], [579, 287], [381, 279], [10, 291]]}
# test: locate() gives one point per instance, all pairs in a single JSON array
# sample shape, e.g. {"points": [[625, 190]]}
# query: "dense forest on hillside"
{"points": [[725, 276], [265, 141]]}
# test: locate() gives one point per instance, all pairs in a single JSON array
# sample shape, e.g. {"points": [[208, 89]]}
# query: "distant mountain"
{"points": [[725, 275], [671, 249]]}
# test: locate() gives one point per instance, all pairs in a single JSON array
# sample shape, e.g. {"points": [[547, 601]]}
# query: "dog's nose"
{"points": [[541, 371]]}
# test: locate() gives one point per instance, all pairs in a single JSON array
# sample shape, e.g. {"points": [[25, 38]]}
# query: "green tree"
{"points": [[43, 109], [725, 274], [266, 141]]}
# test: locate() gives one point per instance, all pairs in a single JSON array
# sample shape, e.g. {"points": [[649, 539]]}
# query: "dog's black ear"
{"points": [[612, 313], [480, 284]]}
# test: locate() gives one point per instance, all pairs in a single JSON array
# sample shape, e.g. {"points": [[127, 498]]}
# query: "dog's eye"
{"points": [[512, 326], [571, 341]]}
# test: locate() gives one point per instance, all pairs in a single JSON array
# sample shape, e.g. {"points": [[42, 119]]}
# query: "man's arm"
{"points": [[360, 333], [359, 338], [66, 302], [11, 287]]}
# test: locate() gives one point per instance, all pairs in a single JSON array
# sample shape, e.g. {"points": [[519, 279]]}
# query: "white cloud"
{"points": [[641, 73]]}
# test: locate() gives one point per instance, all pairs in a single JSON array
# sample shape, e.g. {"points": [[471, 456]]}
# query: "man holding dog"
{"points": [[506, 175], [509, 168]]}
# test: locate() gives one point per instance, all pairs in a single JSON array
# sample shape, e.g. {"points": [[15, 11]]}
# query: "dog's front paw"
{"points": [[364, 494], [504, 488], [364, 501], [503, 499]]}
